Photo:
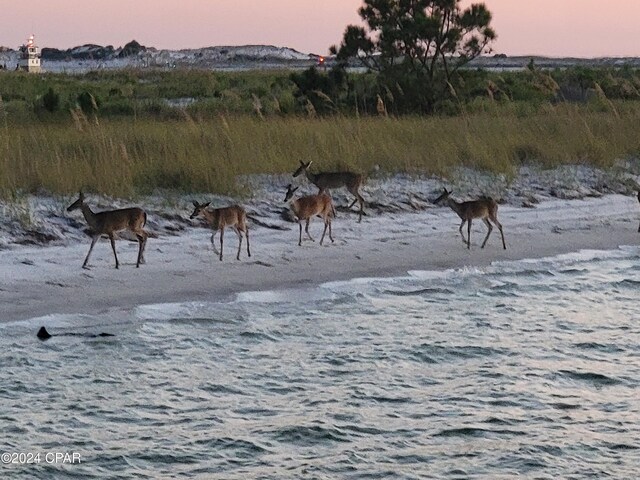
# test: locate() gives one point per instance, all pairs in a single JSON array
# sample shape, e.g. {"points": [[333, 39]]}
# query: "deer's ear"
{"points": [[295, 189], [309, 163], [206, 205], [301, 162], [195, 204]]}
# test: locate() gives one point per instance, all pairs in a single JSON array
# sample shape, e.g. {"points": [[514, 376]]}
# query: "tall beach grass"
{"points": [[129, 157]]}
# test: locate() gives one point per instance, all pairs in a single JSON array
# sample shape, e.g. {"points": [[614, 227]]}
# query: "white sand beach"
{"points": [[39, 281]]}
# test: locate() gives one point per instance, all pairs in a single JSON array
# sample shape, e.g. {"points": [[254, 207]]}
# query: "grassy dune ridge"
{"points": [[129, 157]]}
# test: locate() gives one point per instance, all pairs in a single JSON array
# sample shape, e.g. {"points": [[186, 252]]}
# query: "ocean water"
{"points": [[526, 369]]}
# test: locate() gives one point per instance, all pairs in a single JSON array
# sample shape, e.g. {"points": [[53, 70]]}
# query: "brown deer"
{"points": [[304, 208], [328, 180], [484, 208], [218, 218], [109, 223]]}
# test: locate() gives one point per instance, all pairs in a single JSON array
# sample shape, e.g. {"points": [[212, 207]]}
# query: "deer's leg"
{"points": [[141, 242], [221, 241], [239, 242], [144, 245], [499, 225], [306, 229], [330, 234], [469, 234], [359, 199], [113, 246], [464, 240], [142, 236], [93, 242], [213, 242], [326, 225], [490, 227], [300, 238], [246, 234]]}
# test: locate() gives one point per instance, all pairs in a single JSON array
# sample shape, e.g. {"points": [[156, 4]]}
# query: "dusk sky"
{"points": [[583, 28]]}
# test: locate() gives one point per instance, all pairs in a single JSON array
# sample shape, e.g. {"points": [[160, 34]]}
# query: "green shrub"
{"points": [[51, 100]]}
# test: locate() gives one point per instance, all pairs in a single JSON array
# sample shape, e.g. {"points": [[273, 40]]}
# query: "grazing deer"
{"points": [[218, 218], [328, 180], [484, 208], [304, 208], [113, 221]]}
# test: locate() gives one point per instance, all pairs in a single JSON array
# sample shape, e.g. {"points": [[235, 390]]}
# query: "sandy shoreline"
{"points": [[39, 281]]}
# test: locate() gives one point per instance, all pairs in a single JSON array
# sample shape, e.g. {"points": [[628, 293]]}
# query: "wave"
{"points": [[500, 279]]}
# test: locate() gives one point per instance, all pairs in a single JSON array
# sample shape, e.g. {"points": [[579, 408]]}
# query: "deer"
{"points": [[111, 222], [484, 208], [328, 180], [219, 218], [304, 208]]}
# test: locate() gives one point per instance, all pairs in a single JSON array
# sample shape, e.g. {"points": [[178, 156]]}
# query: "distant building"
{"points": [[29, 60]]}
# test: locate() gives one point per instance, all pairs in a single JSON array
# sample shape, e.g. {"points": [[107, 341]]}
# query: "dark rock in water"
{"points": [[43, 334]]}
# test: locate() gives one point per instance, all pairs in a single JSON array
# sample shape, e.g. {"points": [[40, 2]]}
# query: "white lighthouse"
{"points": [[30, 57]]}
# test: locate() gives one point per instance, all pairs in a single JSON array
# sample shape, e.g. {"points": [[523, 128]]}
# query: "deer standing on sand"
{"points": [[484, 208], [218, 218], [109, 223], [304, 208], [328, 180]]}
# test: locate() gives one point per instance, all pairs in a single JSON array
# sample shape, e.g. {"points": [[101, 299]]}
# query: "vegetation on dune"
{"points": [[415, 109], [125, 157], [417, 47]]}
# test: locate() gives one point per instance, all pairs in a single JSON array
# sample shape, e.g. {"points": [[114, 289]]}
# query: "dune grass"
{"points": [[127, 157]]}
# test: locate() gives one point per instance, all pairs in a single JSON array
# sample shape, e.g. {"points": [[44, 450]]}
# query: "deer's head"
{"points": [[443, 196], [290, 192], [198, 209], [77, 204], [302, 168]]}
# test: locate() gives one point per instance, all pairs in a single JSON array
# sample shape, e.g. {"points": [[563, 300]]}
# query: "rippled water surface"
{"points": [[526, 369]]}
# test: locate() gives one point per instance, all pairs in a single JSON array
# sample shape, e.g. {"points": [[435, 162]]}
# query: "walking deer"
{"points": [[304, 208], [219, 218], [328, 180], [111, 222], [484, 208]]}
